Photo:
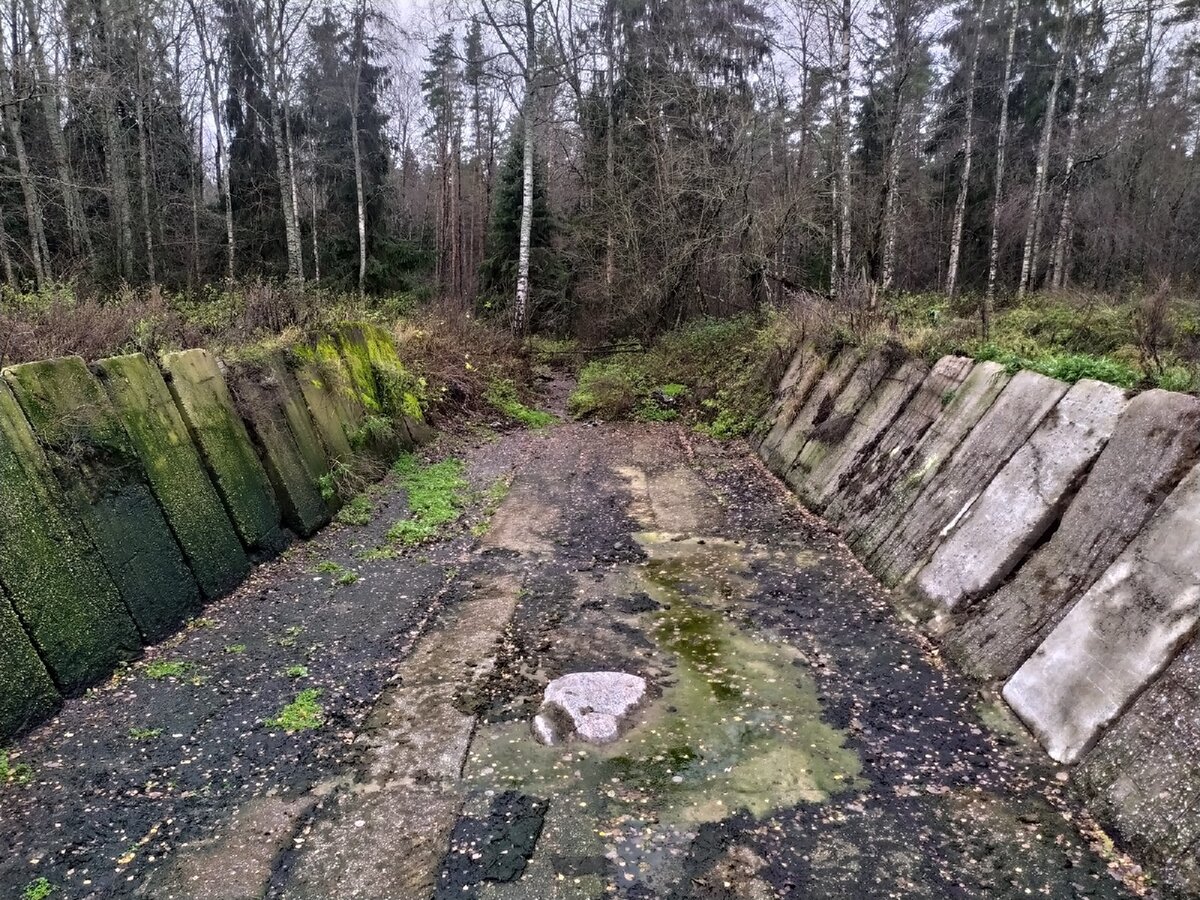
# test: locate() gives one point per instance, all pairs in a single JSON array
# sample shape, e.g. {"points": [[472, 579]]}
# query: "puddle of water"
{"points": [[738, 726]]}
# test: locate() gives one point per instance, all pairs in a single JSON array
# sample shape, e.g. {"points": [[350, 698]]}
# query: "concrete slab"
{"points": [[204, 401], [27, 693], [1024, 500], [299, 420], [815, 410], [1143, 777], [176, 472], [329, 393], [803, 372], [830, 432], [862, 488], [106, 487], [58, 585], [1007, 424], [1155, 443], [1119, 636], [260, 396], [870, 422], [958, 418]]}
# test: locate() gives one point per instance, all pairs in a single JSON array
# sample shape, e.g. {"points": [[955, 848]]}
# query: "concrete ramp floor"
{"points": [[800, 739]]}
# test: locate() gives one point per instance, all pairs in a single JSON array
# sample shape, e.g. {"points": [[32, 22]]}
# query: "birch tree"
{"points": [[989, 296], [968, 150]]}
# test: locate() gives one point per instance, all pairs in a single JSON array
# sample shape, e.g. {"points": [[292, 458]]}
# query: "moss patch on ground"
{"points": [[302, 714], [502, 395], [437, 496]]}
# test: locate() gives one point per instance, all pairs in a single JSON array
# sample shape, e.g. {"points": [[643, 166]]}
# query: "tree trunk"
{"points": [[520, 315], [39, 254], [283, 170], [891, 208], [1033, 232], [80, 237], [10, 277], [114, 152], [844, 138], [960, 206], [1062, 240], [610, 154], [359, 193], [144, 171], [989, 297]]}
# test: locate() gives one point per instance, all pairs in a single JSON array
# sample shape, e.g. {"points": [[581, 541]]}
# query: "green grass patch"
{"points": [[502, 395], [164, 668], [1069, 367], [144, 734], [347, 578], [37, 890], [236, 649], [357, 512], [302, 714], [19, 774], [296, 671], [436, 498]]}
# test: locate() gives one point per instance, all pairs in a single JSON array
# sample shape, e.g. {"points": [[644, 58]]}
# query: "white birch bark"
{"points": [[968, 149], [989, 297]]}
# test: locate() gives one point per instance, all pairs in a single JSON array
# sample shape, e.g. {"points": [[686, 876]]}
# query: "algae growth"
{"points": [[738, 726]]}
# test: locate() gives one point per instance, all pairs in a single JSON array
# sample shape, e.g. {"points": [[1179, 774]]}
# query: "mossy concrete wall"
{"points": [[126, 500], [1062, 526], [261, 398], [58, 585], [176, 472], [105, 485], [207, 407]]}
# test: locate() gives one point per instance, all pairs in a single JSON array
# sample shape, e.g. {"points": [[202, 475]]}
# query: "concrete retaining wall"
{"points": [[1051, 535], [128, 498]]}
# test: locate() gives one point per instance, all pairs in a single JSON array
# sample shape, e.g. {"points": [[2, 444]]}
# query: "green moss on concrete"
{"points": [[401, 393], [103, 481], [356, 354], [321, 365], [299, 421], [58, 585], [204, 400], [261, 398], [176, 472], [322, 405], [27, 694]]}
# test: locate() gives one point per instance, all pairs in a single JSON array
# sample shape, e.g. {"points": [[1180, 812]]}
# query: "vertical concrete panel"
{"points": [[803, 371], [1000, 433], [1155, 443], [879, 520], [1024, 500], [27, 695], [862, 488], [1119, 636], [176, 472], [1143, 777], [103, 481], [868, 425], [59, 587], [260, 398], [204, 401], [830, 432], [815, 410], [330, 395]]}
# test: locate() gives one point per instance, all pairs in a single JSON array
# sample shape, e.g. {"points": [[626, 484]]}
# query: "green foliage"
{"points": [[502, 395], [144, 734], [236, 649], [38, 890], [1069, 367], [296, 671], [714, 373], [357, 512], [162, 668], [328, 567], [436, 497], [13, 773], [1177, 378], [302, 714], [375, 431]]}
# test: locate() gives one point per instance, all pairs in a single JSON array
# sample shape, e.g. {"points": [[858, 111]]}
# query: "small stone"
{"points": [[591, 706]]}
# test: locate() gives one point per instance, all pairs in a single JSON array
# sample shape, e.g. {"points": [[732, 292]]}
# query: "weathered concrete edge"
{"points": [[1112, 799]]}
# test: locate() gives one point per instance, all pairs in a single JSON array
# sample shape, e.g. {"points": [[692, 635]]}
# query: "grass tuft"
{"points": [[436, 498], [502, 395], [302, 714]]}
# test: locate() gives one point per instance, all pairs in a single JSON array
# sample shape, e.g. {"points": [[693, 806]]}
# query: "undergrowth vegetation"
{"points": [[437, 495], [716, 375]]}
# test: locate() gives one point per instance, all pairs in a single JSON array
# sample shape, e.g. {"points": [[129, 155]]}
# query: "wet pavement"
{"points": [[801, 740]]}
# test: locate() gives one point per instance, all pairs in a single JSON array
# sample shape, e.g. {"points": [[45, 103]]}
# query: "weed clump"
{"points": [[502, 395], [38, 890], [302, 714], [163, 669], [13, 773], [436, 497], [357, 512]]}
